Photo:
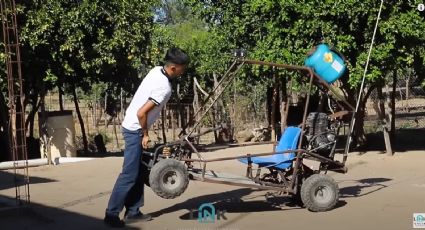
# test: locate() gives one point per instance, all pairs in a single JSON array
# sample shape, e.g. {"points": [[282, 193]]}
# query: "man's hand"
{"points": [[145, 140], [142, 115]]}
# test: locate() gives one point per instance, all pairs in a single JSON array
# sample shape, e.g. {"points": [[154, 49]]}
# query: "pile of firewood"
{"points": [[255, 135]]}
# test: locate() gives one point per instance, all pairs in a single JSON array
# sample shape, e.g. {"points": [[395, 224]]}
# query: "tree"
{"points": [[177, 27], [283, 31], [71, 44]]}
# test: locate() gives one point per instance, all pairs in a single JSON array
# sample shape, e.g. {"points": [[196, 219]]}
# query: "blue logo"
{"points": [[207, 213], [420, 218]]}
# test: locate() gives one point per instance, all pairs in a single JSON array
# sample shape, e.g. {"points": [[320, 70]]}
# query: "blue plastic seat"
{"points": [[288, 141]]}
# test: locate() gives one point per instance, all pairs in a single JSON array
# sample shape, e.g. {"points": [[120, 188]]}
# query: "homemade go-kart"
{"points": [[302, 156]]}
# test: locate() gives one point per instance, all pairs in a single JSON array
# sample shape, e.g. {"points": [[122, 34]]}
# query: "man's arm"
{"points": [[142, 115]]}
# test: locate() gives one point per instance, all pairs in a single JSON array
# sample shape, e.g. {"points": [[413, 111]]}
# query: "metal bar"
{"points": [[342, 99], [262, 187], [204, 170], [230, 77], [282, 175], [285, 66], [211, 93], [194, 149], [220, 82], [250, 144], [205, 132], [353, 119], [300, 68], [15, 90], [243, 156], [298, 157], [325, 159]]}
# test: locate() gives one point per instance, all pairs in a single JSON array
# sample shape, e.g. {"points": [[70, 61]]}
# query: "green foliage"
{"points": [[95, 43], [176, 27], [283, 31], [87, 41]]}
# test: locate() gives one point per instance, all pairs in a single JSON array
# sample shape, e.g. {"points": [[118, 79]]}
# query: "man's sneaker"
{"points": [[114, 221], [138, 217]]}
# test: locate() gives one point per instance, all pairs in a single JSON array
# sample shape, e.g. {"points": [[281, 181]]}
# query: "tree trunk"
{"points": [[182, 122], [269, 105], [274, 101], [234, 116], [42, 121], [196, 106], [215, 111], [384, 119], [283, 104], [104, 112], [115, 133], [4, 132], [80, 119], [392, 133], [408, 87], [173, 125], [188, 119], [60, 97], [122, 106], [29, 122], [407, 93], [88, 122], [164, 136], [358, 132], [20, 130], [94, 114]]}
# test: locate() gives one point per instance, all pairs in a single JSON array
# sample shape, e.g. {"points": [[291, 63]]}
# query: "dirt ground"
{"points": [[378, 192]]}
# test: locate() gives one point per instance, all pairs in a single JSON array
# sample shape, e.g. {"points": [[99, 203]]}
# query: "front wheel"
{"points": [[169, 178], [319, 193]]}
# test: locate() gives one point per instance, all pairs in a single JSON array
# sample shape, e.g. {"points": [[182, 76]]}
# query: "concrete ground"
{"points": [[378, 192]]}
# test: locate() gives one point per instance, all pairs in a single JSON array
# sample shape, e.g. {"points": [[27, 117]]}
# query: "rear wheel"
{"points": [[319, 193]]}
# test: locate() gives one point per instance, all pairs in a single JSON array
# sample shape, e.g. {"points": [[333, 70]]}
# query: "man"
{"points": [[145, 107]]}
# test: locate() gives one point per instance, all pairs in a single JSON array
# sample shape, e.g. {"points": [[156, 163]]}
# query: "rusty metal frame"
{"points": [[17, 134], [227, 77], [337, 166]]}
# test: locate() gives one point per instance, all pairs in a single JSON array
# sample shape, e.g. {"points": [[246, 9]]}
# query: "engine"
{"points": [[320, 134]]}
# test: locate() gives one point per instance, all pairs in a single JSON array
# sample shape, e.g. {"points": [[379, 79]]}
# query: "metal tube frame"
{"points": [[300, 153]]}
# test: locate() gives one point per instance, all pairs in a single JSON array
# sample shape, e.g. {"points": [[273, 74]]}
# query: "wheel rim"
{"points": [[170, 180], [323, 194]]}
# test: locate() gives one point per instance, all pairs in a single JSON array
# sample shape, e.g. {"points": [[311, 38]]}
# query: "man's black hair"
{"points": [[176, 56]]}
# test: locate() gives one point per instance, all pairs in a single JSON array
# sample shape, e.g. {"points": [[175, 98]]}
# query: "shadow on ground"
{"points": [[37, 216], [102, 154], [7, 180], [405, 140], [364, 187], [236, 201]]}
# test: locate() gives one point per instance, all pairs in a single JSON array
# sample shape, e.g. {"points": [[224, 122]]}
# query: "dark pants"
{"points": [[129, 187]]}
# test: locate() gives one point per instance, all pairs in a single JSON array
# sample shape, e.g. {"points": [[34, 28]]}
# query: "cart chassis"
{"points": [[287, 186]]}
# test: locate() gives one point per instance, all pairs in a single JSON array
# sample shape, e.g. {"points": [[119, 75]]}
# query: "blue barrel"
{"points": [[326, 63]]}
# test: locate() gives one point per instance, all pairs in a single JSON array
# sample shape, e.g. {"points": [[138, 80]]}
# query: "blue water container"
{"points": [[326, 63]]}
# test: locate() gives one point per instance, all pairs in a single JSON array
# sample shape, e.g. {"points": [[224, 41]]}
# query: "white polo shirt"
{"points": [[155, 87]]}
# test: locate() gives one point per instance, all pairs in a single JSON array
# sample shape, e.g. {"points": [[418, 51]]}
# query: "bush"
{"points": [[91, 141]]}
